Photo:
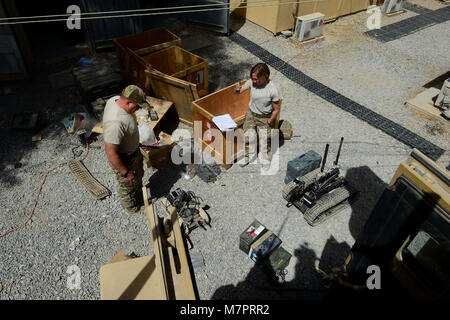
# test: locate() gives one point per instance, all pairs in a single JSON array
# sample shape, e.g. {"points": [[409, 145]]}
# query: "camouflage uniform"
{"points": [[255, 126], [130, 192]]}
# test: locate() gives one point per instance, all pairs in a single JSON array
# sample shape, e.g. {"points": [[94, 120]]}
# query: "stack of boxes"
{"points": [[263, 247]]}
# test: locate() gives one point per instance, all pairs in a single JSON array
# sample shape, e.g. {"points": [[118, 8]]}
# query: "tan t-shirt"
{"points": [[120, 127], [261, 98]]}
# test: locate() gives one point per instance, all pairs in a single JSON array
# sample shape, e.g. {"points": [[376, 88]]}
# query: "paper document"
{"points": [[224, 122]]}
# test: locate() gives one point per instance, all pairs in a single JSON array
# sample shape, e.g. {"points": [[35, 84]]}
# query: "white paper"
{"points": [[224, 122]]}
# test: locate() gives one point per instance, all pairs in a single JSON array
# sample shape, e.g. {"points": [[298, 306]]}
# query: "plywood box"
{"points": [[181, 64], [180, 92], [171, 74], [141, 44], [280, 15], [221, 102], [149, 41]]}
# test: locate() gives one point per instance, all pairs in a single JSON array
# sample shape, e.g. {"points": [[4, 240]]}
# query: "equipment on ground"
{"points": [[285, 129], [391, 6], [163, 275], [277, 261], [92, 186], [264, 248], [250, 235], [300, 166], [309, 26], [443, 99], [407, 236], [153, 115], [189, 208], [320, 193]]}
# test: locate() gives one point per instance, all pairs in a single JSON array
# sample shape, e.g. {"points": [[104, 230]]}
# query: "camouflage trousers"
{"points": [[256, 128], [130, 192]]}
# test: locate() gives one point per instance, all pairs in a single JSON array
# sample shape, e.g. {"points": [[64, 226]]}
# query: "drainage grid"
{"points": [[374, 119], [411, 25], [416, 8]]}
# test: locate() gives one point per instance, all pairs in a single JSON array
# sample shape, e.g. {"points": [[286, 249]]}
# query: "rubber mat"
{"points": [[95, 189], [363, 113]]}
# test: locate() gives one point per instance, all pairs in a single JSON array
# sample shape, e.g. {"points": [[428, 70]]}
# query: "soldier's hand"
{"points": [[130, 176]]}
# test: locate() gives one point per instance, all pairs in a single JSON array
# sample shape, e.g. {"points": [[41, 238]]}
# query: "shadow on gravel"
{"points": [[368, 189], [35, 96], [163, 180], [224, 70], [308, 283]]}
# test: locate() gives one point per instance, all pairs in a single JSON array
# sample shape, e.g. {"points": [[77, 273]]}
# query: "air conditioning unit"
{"points": [[391, 6], [309, 26]]}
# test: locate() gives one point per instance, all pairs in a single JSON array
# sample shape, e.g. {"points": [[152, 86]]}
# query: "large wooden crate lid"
{"points": [[180, 92]]}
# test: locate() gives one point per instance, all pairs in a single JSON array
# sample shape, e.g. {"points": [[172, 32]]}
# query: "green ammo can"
{"points": [[277, 260]]}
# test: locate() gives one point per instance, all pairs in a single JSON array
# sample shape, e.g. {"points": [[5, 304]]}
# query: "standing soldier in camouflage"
{"points": [[121, 135]]}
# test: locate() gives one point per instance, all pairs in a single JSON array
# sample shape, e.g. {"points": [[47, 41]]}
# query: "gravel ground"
{"points": [[70, 228]]}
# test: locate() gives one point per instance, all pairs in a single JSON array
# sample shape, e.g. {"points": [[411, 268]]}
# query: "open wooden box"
{"points": [[181, 64], [137, 45], [215, 104], [172, 74], [149, 41], [224, 101]]}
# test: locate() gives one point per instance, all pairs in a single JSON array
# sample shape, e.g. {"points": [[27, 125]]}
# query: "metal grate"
{"points": [[95, 189], [363, 113], [416, 8], [411, 25]]}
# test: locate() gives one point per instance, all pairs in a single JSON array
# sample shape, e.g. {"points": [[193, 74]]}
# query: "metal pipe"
{"points": [[324, 157], [339, 152]]}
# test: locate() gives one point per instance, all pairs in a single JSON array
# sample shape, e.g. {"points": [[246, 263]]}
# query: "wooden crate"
{"points": [[181, 64], [130, 48], [218, 103], [132, 69], [180, 92], [149, 41]]}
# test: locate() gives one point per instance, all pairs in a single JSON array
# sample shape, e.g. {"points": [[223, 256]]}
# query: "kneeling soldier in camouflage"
{"points": [[121, 135]]}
